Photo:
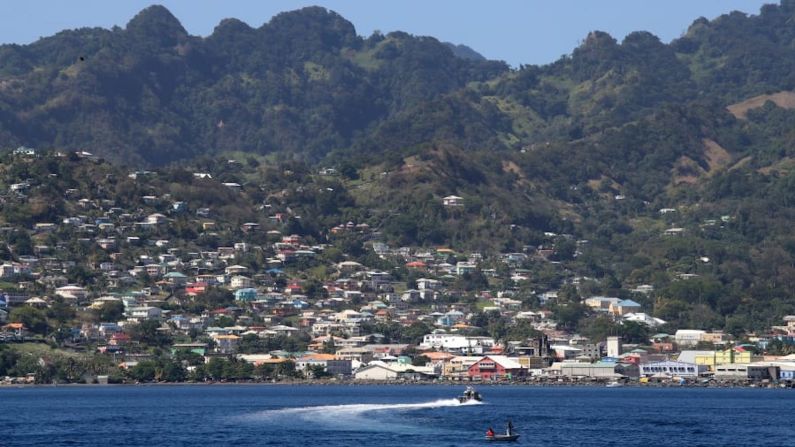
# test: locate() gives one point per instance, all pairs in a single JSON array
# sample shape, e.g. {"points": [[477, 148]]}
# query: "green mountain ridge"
{"points": [[303, 83], [588, 149]]}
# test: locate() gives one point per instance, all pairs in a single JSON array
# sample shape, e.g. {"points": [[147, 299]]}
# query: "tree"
{"points": [[569, 315], [420, 360], [144, 371], [148, 333], [414, 334], [35, 320], [171, 371], [521, 331], [215, 368], [110, 311], [317, 372], [189, 358], [470, 281], [329, 347], [251, 344], [8, 359], [60, 312], [634, 332]]}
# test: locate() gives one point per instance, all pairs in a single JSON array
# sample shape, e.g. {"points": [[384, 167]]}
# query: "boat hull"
{"points": [[502, 438]]}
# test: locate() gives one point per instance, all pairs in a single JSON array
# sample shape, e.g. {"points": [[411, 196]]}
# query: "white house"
{"points": [[464, 267], [241, 282], [428, 284], [453, 201], [145, 313], [236, 270], [156, 219], [71, 292], [7, 270]]}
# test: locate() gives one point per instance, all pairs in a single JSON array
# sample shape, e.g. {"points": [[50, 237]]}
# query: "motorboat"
{"points": [[614, 384], [469, 395]]}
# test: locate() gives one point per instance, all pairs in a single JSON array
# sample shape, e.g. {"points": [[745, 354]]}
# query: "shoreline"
{"points": [[354, 383]]}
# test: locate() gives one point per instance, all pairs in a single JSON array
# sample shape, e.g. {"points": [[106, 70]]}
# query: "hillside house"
{"points": [[453, 201], [624, 307]]}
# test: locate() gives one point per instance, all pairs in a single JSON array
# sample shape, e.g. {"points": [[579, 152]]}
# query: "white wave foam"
{"points": [[346, 415], [353, 409]]}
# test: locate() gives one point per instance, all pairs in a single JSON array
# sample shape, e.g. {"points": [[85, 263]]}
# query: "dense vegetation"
{"points": [[589, 148]]}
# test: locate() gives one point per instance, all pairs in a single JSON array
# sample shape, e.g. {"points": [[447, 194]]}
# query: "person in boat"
{"points": [[509, 431], [490, 432]]}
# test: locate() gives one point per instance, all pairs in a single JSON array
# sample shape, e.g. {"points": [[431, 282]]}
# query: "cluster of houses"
{"points": [[148, 271]]}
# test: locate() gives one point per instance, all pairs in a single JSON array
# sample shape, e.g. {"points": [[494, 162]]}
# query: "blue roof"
{"points": [[628, 303]]}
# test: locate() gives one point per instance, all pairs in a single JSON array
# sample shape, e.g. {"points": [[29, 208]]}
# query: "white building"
{"points": [[464, 267], [7, 270], [235, 270], [596, 370], [457, 343], [375, 372], [428, 284], [241, 282], [688, 337], [72, 292], [613, 347], [648, 320], [156, 219], [453, 201], [145, 313], [671, 369]]}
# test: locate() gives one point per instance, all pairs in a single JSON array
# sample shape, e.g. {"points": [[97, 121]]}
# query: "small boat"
{"points": [[509, 436], [469, 394], [614, 384], [502, 438]]}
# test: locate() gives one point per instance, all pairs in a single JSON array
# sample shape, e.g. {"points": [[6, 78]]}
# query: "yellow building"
{"points": [[724, 357], [458, 366], [532, 362]]}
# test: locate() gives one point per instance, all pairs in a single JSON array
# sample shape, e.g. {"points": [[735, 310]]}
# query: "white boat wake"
{"points": [[349, 416]]}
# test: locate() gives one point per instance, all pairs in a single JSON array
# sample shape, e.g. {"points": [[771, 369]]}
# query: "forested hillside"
{"points": [[579, 156]]}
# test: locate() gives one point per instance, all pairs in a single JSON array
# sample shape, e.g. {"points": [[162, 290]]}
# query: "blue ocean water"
{"points": [[275, 415]]}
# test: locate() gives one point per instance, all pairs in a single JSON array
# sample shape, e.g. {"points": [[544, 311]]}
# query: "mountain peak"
{"points": [[464, 52], [597, 39], [157, 22], [314, 23]]}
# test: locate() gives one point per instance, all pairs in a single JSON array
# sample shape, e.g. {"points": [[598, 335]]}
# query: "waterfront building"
{"points": [[496, 367], [671, 369], [375, 372], [598, 370]]}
